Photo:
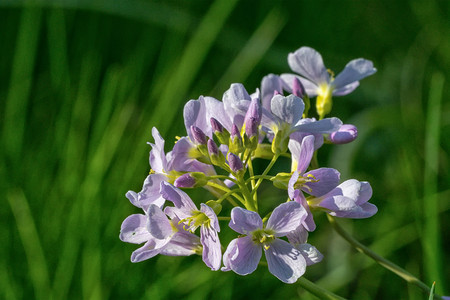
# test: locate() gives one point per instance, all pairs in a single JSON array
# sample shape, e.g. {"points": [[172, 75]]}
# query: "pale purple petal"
{"points": [[310, 87], [298, 136], [269, 85], [212, 252], [209, 212], [328, 179], [242, 256], [298, 236], [346, 134], [216, 109], [306, 153], [286, 217], [284, 261], [183, 243], [147, 251], [292, 181], [244, 221], [289, 109], [355, 70], [133, 197], [158, 225], [365, 192], [157, 159], [308, 63], [150, 191], [134, 229], [194, 113], [179, 198], [308, 222], [327, 125], [349, 200], [236, 101], [346, 89], [181, 158], [310, 253]]}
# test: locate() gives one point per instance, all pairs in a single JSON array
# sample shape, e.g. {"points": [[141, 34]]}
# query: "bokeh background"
{"points": [[83, 82]]}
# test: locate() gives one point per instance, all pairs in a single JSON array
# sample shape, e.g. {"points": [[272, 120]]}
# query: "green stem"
{"points": [[316, 290], [408, 277], [250, 172], [272, 162], [268, 177], [225, 189], [222, 177]]}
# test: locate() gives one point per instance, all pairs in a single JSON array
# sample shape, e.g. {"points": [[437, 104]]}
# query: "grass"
{"points": [[83, 83]]}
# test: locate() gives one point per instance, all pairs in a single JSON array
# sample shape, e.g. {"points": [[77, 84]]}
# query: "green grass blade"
{"points": [[20, 84], [37, 265], [253, 50], [433, 258], [190, 63]]}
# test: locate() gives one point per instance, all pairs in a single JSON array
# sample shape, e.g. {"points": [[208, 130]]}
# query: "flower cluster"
{"points": [[222, 139]]}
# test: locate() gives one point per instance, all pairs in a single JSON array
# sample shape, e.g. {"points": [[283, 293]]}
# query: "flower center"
{"points": [[263, 237], [196, 220]]}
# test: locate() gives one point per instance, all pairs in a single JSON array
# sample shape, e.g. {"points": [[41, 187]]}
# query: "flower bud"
{"points": [[191, 180], [346, 134], [252, 118], [220, 132], [215, 155], [198, 135], [216, 206], [236, 146], [235, 163], [297, 88]]}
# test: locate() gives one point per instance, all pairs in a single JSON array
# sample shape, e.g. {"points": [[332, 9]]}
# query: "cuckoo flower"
{"points": [[244, 253], [192, 218], [318, 81], [316, 182], [347, 200], [160, 235], [286, 119]]}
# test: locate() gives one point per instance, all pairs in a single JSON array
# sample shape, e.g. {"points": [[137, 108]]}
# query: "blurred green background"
{"points": [[83, 82]]}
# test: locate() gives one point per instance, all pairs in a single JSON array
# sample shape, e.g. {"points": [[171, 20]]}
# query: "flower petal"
{"points": [[327, 125], [269, 85], [328, 179], [134, 229], [284, 261], [159, 225], [302, 153], [289, 109], [342, 91], [355, 70], [145, 252], [310, 87], [182, 243], [209, 212], [244, 221], [242, 256], [212, 252], [310, 253], [309, 63], [179, 198], [157, 159], [150, 191], [286, 217]]}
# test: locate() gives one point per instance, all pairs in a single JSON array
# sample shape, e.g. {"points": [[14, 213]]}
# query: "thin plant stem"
{"points": [[222, 177], [225, 189], [272, 162], [316, 290], [408, 277]]}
